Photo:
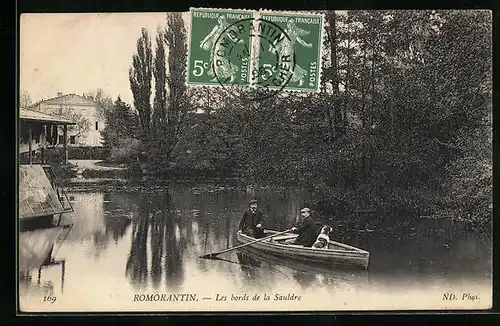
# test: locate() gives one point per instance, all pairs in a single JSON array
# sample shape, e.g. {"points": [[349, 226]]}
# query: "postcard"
{"points": [[241, 160]]}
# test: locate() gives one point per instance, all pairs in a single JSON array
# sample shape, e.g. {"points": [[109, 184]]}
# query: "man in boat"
{"points": [[252, 223], [306, 228]]}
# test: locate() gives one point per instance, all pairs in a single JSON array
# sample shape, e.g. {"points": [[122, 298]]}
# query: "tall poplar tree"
{"points": [[140, 76], [159, 104], [177, 95]]}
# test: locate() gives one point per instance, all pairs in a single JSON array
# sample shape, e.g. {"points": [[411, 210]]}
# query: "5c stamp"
{"points": [[219, 47], [271, 50], [301, 39]]}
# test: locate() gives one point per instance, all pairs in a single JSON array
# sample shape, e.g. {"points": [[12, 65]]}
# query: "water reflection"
{"points": [[102, 218], [155, 223], [248, 265], [304, 279], [174, 251], [88, 216], [28, 287], [157, 236], [182, 223], [45, 281], [153, 241], [118, 212], [304, 274], [138, 258]]}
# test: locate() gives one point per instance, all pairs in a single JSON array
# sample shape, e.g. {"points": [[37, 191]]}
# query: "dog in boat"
{"points": [[323, 238]]}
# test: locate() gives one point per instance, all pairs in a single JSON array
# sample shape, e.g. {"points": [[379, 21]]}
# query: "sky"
{"points": [[78, 53]]}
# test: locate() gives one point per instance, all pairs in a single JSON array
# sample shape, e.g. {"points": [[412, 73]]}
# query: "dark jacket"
{"points": [[308, 231], [250, 220]]}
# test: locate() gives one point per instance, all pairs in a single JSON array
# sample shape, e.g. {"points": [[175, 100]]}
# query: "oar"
{"points": [[212, 255]]}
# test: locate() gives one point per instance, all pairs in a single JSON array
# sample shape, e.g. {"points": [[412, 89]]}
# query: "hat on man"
{"points": [[305, 209], [252, 201]]}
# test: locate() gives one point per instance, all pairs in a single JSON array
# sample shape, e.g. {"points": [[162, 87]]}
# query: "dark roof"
{"points": [[26, 114], [68, 99]]}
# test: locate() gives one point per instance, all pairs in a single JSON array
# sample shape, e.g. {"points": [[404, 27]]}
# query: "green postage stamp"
{"points": [[219, 47], [268, 50], [299, 42]]}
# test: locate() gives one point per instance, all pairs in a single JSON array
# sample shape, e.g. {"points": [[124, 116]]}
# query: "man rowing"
{"points": [[252, 223], [306, 228]]}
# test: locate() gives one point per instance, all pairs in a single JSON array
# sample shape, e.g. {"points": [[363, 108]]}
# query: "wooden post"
{"points": [[43, 140], [55, 131], [63, 270], [30, 139], [65, 146]]}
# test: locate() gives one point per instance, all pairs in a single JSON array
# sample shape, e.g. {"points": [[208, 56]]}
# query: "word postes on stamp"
{"points": [[220, 47], [301, 40]]}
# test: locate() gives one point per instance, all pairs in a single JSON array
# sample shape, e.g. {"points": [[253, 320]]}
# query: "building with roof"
{"points": [[40, 199], [90, 120], [37, 132]]}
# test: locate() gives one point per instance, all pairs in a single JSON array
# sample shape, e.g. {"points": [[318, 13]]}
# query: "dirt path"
{"points": [[94, 165]]}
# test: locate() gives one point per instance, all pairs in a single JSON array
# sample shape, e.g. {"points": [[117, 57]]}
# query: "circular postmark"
{"points": [[254, 54]]}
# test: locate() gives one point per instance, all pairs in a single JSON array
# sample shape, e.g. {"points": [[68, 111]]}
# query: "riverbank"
{"points": [[150, 242], [361, 203], [140, 186], [97, 165], [98, 175]]}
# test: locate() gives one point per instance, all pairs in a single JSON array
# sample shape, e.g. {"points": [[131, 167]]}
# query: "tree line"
{"points": [[402, 121]]}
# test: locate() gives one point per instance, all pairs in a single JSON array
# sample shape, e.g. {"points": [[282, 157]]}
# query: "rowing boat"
{"points": [[337, 254]]}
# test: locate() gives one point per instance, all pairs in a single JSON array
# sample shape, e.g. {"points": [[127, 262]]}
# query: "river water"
{"points": [[126, 244]]}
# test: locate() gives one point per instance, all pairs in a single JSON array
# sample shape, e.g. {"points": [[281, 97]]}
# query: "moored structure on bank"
{"points": [[41, 200]]}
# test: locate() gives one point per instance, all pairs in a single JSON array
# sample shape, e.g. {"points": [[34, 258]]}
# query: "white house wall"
{"points": [[92, 137]]}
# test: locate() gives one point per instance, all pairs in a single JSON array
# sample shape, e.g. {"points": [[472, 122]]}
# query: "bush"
{"points": [[127, 150], [55, 155]]}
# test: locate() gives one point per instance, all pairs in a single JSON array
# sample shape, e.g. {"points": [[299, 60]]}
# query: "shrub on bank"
{"points": [[55, 155]]}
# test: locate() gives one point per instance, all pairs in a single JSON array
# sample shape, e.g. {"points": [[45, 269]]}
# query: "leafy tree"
{"points": [[121, 131], [104, 101], [402, 121], [160, 97], [172, 100], [140, 75], [177, 100], [81, 126], [25, 99]]}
